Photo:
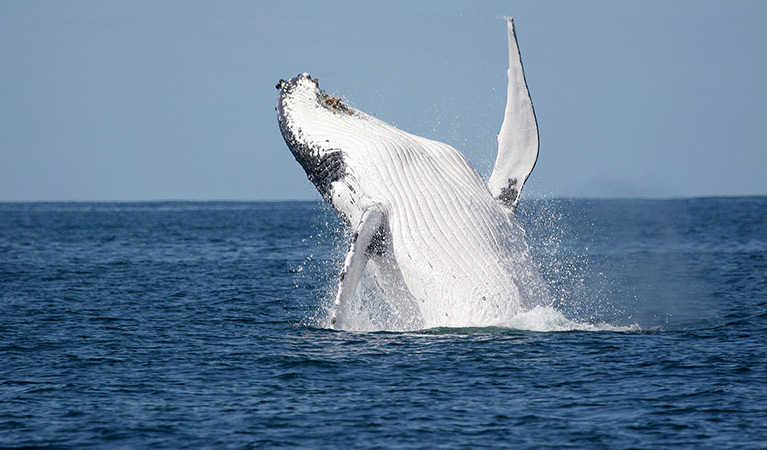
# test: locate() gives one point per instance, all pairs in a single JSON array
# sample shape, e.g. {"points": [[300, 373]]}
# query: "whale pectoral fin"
{"points": [[363, 240], [518, 138]]}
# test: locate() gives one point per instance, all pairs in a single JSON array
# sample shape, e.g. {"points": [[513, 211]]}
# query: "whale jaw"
{"points": [[323, 165]]}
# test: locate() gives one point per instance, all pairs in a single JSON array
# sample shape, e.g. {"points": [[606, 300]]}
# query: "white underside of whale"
{"points": [[441, 244]]}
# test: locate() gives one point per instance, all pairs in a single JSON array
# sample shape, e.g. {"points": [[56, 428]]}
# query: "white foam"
{"points": [[372, 315], [548, 319]]}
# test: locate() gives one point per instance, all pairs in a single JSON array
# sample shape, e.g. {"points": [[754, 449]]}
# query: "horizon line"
{"points": [[319, 200]]}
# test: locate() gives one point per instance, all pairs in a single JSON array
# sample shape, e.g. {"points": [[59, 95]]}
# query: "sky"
{"points": [[174, 100]]}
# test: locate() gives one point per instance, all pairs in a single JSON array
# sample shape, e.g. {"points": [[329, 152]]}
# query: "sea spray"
{"points": [[318, 272], [572, 297]]}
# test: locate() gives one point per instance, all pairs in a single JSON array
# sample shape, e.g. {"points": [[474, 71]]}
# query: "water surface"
{"points": [[198, 325]]}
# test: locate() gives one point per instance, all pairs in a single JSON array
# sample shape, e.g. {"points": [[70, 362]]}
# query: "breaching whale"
{"points": [[440, 243]]}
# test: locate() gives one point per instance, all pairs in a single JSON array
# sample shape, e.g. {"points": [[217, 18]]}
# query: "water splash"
{"points": [[546, 319], [575, 299]]}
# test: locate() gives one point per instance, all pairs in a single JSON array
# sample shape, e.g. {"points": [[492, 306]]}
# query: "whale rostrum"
{"points": [[440, 243]]}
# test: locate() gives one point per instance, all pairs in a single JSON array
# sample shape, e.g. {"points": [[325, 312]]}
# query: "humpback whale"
{"points": [[441, 244]]}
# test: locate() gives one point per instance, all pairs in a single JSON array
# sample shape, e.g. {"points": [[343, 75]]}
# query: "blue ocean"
{"points": [[176, 325]]}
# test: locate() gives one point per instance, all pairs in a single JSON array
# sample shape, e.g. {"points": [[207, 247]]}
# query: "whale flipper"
{"points": [[518, 138], [365, 242]]}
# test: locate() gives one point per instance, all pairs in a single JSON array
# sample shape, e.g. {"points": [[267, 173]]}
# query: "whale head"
{"points": [[304, 112]]}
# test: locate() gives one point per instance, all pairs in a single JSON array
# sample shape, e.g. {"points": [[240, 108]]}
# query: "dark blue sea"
{"points": [[200, 325]]}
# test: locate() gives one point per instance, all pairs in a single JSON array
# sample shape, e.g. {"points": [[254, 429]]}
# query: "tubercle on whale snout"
{"points": [[282, 82]]}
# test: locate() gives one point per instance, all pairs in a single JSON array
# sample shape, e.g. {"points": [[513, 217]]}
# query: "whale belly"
{"points": [[456, 248], [455, 267]]}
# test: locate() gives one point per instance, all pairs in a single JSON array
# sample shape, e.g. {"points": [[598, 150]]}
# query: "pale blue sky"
{"points": [[157, 100]]}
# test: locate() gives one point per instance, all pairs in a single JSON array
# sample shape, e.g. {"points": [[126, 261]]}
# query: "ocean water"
{"points": [[201, 325]]}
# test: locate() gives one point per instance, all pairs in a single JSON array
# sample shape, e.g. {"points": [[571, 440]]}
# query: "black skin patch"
{"points": [[327, 169], [509, 194], [379, 243]]}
